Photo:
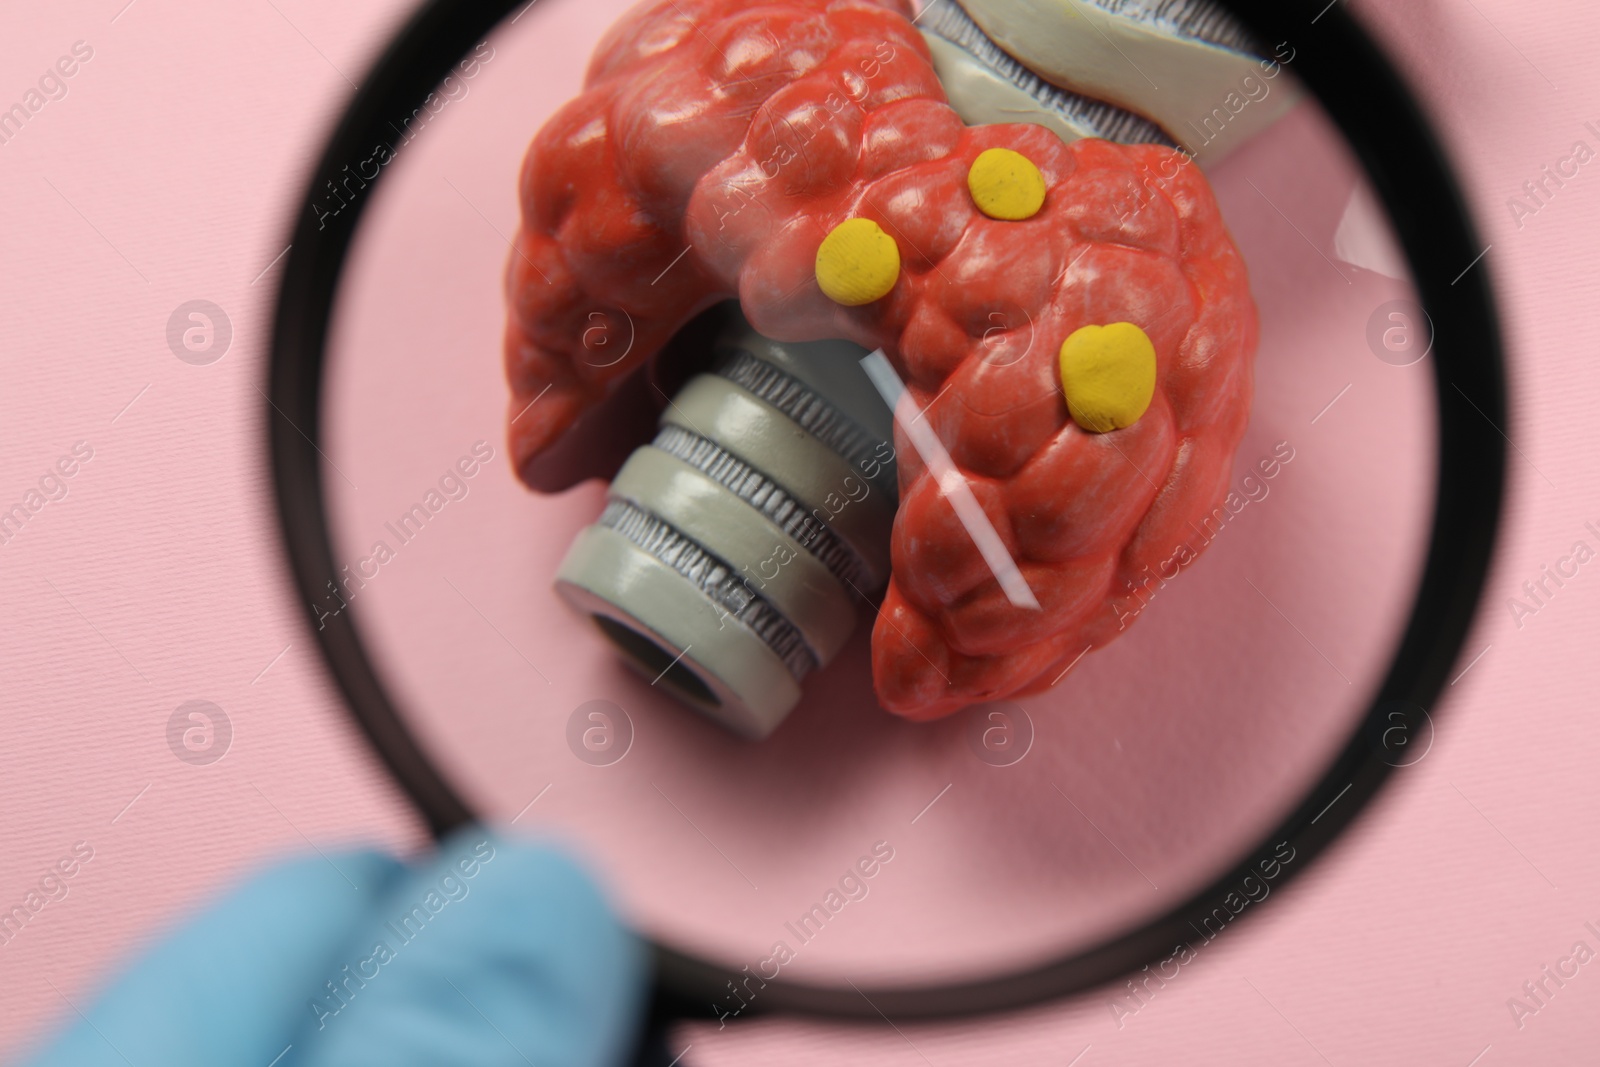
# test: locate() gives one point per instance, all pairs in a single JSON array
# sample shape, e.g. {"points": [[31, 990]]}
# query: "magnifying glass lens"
{"points": [[910, 497]]}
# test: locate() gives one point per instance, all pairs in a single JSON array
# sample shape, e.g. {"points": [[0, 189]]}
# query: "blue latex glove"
{"points": [[493, 952]]}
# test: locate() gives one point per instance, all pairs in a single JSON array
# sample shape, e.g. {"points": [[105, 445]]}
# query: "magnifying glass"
{"points": [[932, 544]]}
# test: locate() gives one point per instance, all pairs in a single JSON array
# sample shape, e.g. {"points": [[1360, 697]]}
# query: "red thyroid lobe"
{"points": [[716, 145]]}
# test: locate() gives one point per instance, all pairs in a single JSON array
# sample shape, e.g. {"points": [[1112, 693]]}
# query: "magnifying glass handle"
{"points": [[654, 1047]]}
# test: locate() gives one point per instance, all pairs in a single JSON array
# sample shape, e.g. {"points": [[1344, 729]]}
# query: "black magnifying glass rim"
{"points": [[1385, 129]]}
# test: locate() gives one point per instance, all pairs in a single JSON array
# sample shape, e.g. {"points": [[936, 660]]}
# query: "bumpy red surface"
{"points": [[735, 137]]}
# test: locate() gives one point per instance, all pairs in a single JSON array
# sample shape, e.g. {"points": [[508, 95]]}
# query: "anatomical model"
{"points": [[991, 352]]}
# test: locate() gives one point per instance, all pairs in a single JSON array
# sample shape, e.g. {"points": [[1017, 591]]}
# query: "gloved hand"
{"points": [[489, 952]]}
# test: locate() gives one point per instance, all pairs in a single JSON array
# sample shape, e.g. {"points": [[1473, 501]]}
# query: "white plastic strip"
{"points": [[952, 483]]}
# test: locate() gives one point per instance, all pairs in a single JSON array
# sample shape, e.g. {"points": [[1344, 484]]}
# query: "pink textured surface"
{"points": [[156, 580]]}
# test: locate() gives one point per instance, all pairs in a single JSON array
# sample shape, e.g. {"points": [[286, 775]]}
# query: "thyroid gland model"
{"points": [[968, 344]]}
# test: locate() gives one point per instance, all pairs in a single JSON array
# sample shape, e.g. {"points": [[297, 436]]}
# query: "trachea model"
{"points": [[995, 370]]}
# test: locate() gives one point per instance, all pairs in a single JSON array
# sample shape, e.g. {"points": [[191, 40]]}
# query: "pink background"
{"points": [[169, 172]]}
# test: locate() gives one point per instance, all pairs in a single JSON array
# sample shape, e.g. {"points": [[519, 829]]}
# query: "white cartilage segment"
{"points": [[1208, 98], [733, 549], [981, 95], [717, 519]]}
